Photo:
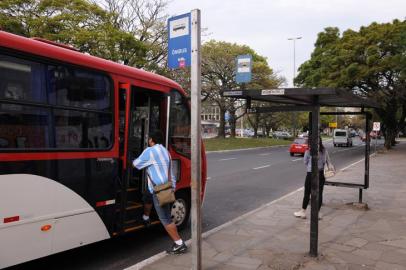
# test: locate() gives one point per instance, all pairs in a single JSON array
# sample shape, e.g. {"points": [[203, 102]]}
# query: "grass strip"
{"points": [[217, 144]]}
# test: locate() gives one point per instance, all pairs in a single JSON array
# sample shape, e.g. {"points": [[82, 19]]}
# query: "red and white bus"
{"points": [[70, 125]]}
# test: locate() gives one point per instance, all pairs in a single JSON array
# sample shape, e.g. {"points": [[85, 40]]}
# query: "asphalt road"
{"points": [[238, 182]]}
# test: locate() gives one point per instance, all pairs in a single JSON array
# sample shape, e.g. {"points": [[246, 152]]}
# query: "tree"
{"points": [[218, 75], [79, 23], [370, 62], [145, 21], [266, 121]]}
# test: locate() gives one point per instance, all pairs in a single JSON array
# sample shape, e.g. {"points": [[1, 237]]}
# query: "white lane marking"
{"points": [[208, 178], [296, 159], [261, 167], [264, 154], [224, 159], [349, 148], [356, 162]]}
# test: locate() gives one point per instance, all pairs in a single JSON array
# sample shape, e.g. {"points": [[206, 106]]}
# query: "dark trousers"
{"points": [[307, 190]]}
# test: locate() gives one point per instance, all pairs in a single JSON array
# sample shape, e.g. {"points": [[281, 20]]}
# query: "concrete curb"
{"points": [[163, 254]]}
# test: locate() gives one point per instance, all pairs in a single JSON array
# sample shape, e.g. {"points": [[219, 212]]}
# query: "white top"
{"points": [[321, 162]]}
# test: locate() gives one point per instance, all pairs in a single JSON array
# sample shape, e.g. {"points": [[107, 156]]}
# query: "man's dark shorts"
{"points": [[147, 197]]}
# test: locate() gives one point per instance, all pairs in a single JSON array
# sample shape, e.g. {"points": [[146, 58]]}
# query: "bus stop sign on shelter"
{"points": [[179, 41], [244, 67]]}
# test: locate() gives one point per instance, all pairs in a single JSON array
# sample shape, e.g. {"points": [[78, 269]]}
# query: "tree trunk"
{"points": [[221, 132], [233, 123], [390, 138]]}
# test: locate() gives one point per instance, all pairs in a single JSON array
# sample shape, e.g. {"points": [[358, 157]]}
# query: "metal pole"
{"points": [[360, 196], [196, 142], [367, 149], [376, 140], [336, 118], [314, 151], [168, 111], [294, 62]]}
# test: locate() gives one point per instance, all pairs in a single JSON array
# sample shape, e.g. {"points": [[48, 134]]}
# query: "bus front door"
{"points": [[144, 117]]}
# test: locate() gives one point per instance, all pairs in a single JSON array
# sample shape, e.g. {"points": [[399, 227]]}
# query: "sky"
{"points": [[266, 25]]}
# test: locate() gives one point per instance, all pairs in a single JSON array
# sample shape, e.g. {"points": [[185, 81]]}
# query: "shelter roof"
{"points": [[305, 96]]}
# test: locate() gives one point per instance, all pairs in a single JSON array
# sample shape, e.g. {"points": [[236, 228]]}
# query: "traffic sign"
{"points": [[376, 126], [179, 41], [244, 66], [332, 125]]}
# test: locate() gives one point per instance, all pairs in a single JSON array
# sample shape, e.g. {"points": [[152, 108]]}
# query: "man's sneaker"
{"points": [[177, 249], [300, 214]]}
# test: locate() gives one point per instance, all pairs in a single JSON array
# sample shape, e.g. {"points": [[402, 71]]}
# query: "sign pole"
{"points": [[196, 141]]}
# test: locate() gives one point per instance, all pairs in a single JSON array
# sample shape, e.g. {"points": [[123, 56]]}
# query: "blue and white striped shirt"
{"points": [[156, 160]]}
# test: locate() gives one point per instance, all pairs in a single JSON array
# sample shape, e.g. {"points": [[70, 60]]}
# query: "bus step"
{"points": [[137, 226], [131, 206], [128, 190]]}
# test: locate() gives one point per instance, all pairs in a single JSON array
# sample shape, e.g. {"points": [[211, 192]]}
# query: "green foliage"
{"points": [[79, 23], [371, 62], [219, 71], [218, 144]]}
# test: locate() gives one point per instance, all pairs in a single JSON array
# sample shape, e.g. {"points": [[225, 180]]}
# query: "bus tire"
{"points": [[180, 211]]}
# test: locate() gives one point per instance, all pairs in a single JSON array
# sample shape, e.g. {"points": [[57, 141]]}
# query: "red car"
{"points": [[299, 146]]}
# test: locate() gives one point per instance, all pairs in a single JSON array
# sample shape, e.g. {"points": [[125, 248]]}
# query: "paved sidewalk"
{"points": [[349, 238]]}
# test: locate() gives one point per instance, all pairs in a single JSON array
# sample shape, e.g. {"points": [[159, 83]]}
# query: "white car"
{"points": [[342, 137], [281, 134]]}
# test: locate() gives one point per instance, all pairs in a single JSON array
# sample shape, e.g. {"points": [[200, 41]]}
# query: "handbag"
{"points": [[164, 192], [329, 169]]}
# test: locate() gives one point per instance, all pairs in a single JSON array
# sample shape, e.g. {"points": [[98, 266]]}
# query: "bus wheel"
{"points": [[181, 209]]}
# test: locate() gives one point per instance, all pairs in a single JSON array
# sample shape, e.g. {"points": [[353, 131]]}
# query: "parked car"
{"points": [[342, 137], [281, 134], [299, 146], [303, 135], [353, 133], [249, 133]]}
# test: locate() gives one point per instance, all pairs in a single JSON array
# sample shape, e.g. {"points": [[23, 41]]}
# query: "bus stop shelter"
{"points": [[310, 100]]}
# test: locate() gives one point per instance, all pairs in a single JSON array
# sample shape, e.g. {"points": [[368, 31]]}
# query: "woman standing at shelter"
{"points": [[307, 187]]}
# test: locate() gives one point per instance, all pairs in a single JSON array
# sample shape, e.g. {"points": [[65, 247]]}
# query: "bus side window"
{"points": [[22, 79], [179, 125]]}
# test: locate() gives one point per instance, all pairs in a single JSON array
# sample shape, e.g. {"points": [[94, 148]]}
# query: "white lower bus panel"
{"points": [[46, 218]]}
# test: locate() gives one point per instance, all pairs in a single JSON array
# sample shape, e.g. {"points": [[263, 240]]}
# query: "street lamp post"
{"points": [[294, 57], [293, 79]]}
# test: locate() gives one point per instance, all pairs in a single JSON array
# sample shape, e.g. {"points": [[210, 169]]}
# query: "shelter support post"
{"points": [[314, 150], [360, 196], [367, 149]]}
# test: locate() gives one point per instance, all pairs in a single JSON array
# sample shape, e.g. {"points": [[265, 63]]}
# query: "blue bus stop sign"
{"points": [[179, 41], [244, 67]]}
